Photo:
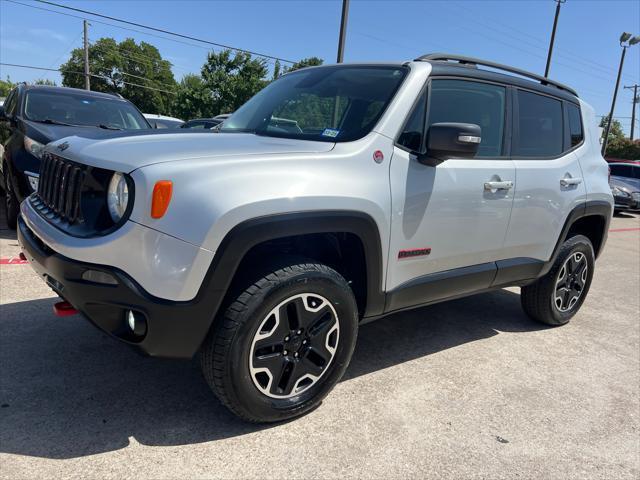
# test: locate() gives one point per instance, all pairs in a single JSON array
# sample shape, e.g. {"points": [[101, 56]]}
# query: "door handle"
{"points": [[567, 182], [498, 185]]}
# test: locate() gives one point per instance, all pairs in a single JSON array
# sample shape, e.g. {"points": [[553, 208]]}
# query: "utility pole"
{"points": [[636, 99], [86, 56], [553, 36], [626, 41], [343, 29]]}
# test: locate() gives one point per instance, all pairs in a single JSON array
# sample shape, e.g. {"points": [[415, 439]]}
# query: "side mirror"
{"points": [[451, 140], [3, 114]]}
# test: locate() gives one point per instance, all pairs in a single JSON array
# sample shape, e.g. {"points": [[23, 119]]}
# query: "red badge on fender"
{"points": [[378, 156]]}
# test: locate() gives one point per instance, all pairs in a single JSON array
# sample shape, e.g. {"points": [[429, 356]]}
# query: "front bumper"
{"points": [[174, 329]]}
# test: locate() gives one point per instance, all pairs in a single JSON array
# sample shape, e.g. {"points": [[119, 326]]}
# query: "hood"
{"points": [[125, 154], [625, 183]]}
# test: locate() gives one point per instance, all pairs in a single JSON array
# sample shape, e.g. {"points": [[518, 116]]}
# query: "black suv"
{"points": [[37, 115]]}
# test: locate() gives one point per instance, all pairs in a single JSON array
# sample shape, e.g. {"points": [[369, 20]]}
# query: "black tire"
{"points": [[229, 348], [552, 298], [12, 206]]}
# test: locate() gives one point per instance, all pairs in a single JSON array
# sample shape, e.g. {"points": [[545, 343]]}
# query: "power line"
{"points": [[167, 32], [33, 67], [94, 21]]}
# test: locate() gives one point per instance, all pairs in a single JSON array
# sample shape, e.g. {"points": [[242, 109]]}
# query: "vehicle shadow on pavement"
{"points": [[68, 390]]}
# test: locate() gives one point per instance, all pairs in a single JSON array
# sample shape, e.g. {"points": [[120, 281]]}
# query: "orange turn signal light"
{"points": [[161, 198]]}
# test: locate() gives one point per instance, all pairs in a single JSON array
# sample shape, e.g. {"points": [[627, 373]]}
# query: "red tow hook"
{"points": [[64, 309]]}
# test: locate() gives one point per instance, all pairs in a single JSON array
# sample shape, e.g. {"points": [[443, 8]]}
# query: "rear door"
{"points": [[547, 140], [444, 217]]}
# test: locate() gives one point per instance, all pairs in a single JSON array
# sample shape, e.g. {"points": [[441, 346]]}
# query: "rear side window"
{"points": [[539, 126], [575, 124], [413, 132], [464, 101]]}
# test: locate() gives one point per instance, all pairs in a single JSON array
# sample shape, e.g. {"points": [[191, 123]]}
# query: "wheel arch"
{"points": [[244, 237], [590, 219]]}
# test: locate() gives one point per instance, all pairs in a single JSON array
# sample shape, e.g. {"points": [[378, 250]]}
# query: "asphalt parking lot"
{"points": [[466, 389]]}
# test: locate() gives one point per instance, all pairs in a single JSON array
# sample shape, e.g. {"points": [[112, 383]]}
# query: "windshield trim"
{"points": [[265, 133]]}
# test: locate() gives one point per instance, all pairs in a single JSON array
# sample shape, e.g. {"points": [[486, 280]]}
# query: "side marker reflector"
{"points": [[64, 309], [161, 198]]}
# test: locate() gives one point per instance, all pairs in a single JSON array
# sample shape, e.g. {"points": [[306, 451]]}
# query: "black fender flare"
{"points": [[246, 235], [599, 208]]}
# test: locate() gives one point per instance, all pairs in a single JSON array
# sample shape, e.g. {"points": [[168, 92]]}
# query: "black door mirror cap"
{"points": [[451, 140]]}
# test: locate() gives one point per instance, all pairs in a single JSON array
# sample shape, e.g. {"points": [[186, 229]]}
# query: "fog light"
{"points": [[137, 323], [97, 276]]}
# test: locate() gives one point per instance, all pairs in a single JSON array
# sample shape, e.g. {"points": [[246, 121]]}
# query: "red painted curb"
{"points": [[12, 261], [625, 230]]}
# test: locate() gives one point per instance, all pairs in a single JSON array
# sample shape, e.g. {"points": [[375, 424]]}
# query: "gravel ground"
{"points": [[466, 389]]}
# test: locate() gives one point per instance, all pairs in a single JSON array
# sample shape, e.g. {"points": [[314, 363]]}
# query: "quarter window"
{"points": [[539, 126], [413, 132], [463, 101], [575, 124]]}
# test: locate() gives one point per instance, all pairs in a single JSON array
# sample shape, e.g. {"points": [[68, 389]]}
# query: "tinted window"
{"points": [[470, 102], [77, 108], [575, 124], [622, 171], [334, 104], [540, 126], [413, 132], [10, 103]]}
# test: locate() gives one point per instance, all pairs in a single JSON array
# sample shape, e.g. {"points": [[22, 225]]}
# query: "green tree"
{"points": [[45, 81], [232, 79], [305, 62], [193, 99], [5, 87], [125, 68], [616, 132]]}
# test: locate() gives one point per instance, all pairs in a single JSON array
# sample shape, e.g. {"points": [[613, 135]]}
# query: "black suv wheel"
{"points": [[283, 343], [556, 297], [12, 206]]}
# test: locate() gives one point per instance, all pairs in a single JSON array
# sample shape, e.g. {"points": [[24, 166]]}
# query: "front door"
{"points": [[449, 221]]}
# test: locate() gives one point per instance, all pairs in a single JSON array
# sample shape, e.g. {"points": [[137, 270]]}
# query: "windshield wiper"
{"points": [[108, 127], [55, 122]]}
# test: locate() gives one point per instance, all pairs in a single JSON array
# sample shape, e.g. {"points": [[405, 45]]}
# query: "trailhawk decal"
{"points": [[416, 252]]}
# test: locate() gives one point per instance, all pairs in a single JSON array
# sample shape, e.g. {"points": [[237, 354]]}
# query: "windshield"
{"points": [[76, 108], [334, 104]]}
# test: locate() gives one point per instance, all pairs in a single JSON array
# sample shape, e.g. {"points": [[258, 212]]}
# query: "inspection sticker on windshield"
{"points": [[330, 132]]}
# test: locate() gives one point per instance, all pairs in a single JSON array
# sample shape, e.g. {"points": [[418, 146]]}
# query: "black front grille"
{"points": [[60, 188]]}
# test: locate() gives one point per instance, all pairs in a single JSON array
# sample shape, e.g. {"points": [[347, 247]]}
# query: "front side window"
{"points": [[464, 101], [575, 124], [73, 108], [334, 104], [539, 125]]}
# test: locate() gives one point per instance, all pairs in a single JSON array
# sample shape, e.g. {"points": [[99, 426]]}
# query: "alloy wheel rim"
{"points": [[571, 281], [294, 345]]}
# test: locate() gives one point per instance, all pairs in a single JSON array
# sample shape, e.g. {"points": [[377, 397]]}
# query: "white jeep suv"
{"points": [[335, 196]]}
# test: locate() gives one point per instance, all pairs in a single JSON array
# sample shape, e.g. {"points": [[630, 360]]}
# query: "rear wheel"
{"points": [[283, 343], [556, 297]]}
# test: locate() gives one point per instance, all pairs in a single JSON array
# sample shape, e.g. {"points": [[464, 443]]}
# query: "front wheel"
{"points": [[12, 206], [283, 343], [557, 296]]}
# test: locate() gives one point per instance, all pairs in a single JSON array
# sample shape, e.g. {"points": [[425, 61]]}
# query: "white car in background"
{"points": [[162, 121]]}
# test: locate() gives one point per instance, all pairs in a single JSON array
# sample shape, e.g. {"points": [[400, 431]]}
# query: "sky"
{"points": [[514, 32]]}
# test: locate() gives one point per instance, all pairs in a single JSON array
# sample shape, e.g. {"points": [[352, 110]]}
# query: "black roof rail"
{"points": [[471, 61]]}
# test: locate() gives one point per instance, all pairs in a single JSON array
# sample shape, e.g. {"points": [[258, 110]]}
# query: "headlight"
{"points": [[620, 193], [117, 196], [33, 180], [34, 148]]}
